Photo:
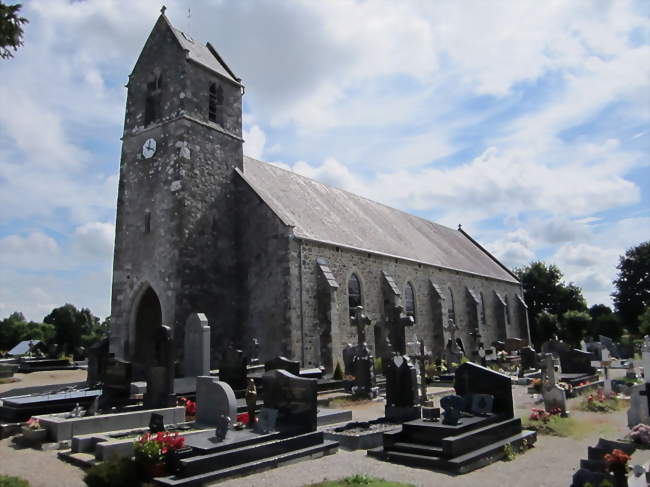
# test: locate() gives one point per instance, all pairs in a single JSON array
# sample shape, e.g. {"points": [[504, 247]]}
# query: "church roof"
{"points": [[326, 214], [205, 55]]}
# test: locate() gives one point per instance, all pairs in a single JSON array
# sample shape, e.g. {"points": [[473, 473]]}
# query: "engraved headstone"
{"points": [[214, 398], [197, 346], [232, 368], [554, 395], [294, 398], [472, 379], [156, 423], [482, 404], [160, 376], [397, 322], [401, 382]]}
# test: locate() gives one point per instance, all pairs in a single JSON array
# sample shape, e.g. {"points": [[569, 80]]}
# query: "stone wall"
{"points": [[431, 310]]}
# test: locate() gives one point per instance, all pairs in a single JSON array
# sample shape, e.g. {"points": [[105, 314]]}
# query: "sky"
{"points": [[526, 122]]}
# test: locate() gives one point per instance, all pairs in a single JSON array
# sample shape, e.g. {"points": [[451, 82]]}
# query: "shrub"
{"points": [[6, 481], [338, 373], [114, 473]]}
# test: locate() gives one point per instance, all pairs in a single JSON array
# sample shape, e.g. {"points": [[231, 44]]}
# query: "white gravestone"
{"points": [[197, 346], [214, 398], [639, 411], [605, 362], [554, 395]]}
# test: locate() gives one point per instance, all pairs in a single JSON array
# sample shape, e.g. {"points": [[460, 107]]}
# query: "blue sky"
{"points": [[527, 122]]}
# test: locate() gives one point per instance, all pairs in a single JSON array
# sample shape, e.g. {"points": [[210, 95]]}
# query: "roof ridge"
{"points": [[410, 215]]}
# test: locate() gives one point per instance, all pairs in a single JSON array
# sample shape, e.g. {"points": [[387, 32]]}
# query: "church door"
{"points": [[148, 320]]}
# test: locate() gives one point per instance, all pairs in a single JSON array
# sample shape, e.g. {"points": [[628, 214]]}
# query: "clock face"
{"points": [[149, 148]]}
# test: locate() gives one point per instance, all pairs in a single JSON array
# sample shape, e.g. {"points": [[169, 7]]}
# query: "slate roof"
{"points": [[205, 55], [23, 347], [326, 214]]}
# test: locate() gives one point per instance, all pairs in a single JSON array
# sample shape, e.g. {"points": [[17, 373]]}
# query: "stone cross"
{"points": [[451, 328], [549, 370], [605, 362], [423, 375], [360, 320], [398, 322], [645, 357]]}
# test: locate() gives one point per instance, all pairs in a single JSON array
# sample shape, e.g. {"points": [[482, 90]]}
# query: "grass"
{"points": [[8, 380], [565, 427], [341, 402], [6, 481], [359, 480]]}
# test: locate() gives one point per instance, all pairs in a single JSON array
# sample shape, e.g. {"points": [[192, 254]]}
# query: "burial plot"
{"points": [[480, 422]]}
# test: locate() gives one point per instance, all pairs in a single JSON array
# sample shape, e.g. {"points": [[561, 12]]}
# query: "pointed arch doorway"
{"points": [[148, 319]]}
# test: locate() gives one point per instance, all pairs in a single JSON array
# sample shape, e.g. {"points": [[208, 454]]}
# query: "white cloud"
{"points": [[34, 251], [96, 239], [255, 140]]}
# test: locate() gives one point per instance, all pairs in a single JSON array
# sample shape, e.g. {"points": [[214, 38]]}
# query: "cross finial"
{"points": [[162, 10], [460, 226]]}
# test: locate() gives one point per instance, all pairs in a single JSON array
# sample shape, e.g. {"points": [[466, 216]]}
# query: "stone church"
{"points": [[266, 253]]}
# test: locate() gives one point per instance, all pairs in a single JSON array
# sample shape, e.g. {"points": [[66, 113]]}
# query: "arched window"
{"points": [[451, 309], [152, 102], [215, 99], [482, 319], [409, 300], [354, 293]]}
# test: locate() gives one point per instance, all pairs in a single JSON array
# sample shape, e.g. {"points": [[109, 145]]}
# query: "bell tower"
{"points": [[175, 226]]}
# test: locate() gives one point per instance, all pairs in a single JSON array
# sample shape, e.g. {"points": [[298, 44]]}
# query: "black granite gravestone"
{"points": [[528, 358], [232, 368], [294, 398], [363, 369], [401, 382], [283, 363], [97, 362], [156, 423], [472, 379], [554, 346], [160, 376], [576, 361]]}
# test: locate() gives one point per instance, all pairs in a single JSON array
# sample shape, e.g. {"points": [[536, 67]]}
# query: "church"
{"points": [[263, 252]]}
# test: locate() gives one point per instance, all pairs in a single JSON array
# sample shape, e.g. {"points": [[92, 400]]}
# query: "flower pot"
{"points": [[152, 470], [34, 435]]}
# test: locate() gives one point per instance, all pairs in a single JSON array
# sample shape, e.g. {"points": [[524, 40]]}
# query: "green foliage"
{"points": [[379, 365], [574, 325], [632, 294], [545, 291], [599, 403], [509, 452], [11, 31], [338, 373], [644, 322], [6, 481], [359, 479], [114, 473], [75, 328], [16, 328]]}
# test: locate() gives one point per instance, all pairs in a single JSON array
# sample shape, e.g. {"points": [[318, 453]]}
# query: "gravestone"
{"points": [[608, 343], [528, 358], [283, 363], [397, 322], [213, 399], [117, 383], [348, 357], [605, 362], [595, 348], [196, 360], [452, 354], [156, 423], [583, 346], [554, 395], [482, 404], [401, 389], [554, 346], [576, 361], [639, 411], [98, 356], [294, 398], [233, 368], [363, 369], [160, 375], [254, 352], [471, 379]]}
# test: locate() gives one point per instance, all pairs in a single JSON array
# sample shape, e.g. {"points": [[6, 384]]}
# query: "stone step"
{"points": [[327, 447], [458, 465], [430, 433], [224, 459], [454, 446], [418, 448]]}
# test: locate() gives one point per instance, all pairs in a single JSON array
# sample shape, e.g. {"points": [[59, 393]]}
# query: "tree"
{"points": [[545, 291], [632, 294], [15, 328], [644, 322], [11, 31], [73, 327], [574, 325]]}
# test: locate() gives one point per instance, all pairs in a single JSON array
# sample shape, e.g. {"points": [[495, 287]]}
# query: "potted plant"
{"points": [[156, 454], [33, 432], [190, 408], [617, 464]]}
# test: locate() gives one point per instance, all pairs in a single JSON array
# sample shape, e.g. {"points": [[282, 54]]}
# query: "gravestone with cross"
{"points": [[363, 363], [639, 411], [554, 395], [397, 323], [453, 353]]}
